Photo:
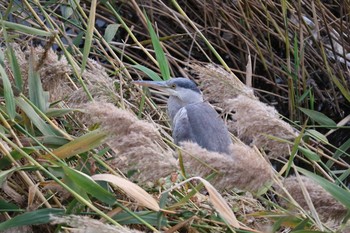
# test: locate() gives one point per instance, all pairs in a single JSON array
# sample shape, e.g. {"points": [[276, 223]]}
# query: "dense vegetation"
{"points": [[82, 147]]}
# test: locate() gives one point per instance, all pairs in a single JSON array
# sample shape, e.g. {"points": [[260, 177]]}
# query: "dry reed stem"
{"points": [[83, 224], [137, 143], [326, 206], [244, 169]]}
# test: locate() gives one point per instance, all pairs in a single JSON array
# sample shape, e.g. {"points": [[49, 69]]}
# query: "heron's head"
{"points": [[182, 88]]}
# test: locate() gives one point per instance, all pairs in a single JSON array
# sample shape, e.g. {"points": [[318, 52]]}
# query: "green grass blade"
{"points": [[317, 136], [89, 34], [338, 193], [319, 117], [339, 152], [15, 69], [150, 73], [56, 112], [44, 128], [8, 94], [160, 56], [89, 185], [40, 216], [149, 216], [7, 206], [52, 141], [36, 93], [295, 149], [343, 176], [309, 154], [25, 29]]}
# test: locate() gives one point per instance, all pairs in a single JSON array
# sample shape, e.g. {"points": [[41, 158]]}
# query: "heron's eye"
{"points": [[173, 86]]}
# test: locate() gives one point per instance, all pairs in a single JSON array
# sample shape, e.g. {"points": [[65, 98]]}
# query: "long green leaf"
{"points": [[8, 206], [150, 73], [295, 149], [44, 128], [25, 29], [339, 152], [41, 216], [50, 141], [8, 94], [149, 216], [160, 56], [319, 117], [309, 154], [338, 193], [317, 135], [15, 68], [89, 185], [56, 112], [36, 93], [89, 34]]}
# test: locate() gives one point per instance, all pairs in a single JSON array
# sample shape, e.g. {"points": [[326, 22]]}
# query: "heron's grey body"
{"points": [[192, 119]]}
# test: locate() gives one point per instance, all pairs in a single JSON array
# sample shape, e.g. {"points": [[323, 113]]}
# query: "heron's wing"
{"points": [[205, 126], [181, 127]]}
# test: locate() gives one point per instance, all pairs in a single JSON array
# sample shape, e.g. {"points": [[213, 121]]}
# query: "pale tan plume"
{"points": [[326, 206], [245, 169], [255, 121], [137, 143]]}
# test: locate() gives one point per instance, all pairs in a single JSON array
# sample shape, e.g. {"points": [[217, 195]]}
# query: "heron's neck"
{"points": [[175, 104]]}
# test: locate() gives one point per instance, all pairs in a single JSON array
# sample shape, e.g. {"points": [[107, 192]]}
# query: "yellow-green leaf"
{"points": [[80, 145]]}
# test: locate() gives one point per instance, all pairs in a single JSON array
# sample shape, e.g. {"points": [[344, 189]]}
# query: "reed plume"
{"points": [[138, 145], [244, 169], [255, 121], [326, 206]]}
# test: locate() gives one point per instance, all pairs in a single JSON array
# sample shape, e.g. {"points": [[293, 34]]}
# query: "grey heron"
{"points": [[192, 119]]}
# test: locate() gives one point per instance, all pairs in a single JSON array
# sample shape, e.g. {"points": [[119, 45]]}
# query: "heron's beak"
{"points": [[159, 85]]}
